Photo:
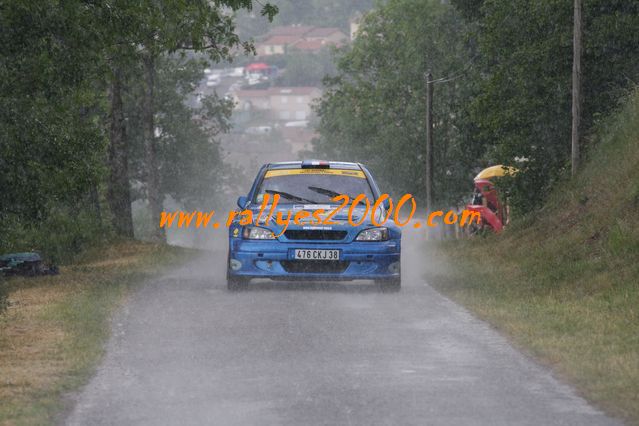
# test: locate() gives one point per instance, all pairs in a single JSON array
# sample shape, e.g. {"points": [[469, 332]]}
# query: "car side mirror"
{"points": [[242, 201]]}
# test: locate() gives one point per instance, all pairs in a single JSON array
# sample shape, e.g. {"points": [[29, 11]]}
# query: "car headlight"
{"points": [[257, 233], [373, 234]]}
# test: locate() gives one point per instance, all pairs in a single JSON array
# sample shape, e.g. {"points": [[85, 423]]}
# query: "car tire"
{"points": [[392, 285], [235, 283]]}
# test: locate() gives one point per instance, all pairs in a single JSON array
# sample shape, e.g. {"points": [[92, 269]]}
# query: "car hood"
{"points": [[340, 218]]}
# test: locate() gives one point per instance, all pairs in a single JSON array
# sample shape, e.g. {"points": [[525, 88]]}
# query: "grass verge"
{"points": [[564, 282], [53, 333], [589, 337]]}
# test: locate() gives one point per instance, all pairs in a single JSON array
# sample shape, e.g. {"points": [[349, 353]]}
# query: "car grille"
{"points": [[315, 266], [315, 234]]}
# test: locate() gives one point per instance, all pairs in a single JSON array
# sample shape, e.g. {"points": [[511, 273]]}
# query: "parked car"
{"points": [[237, 72], [258, 130], [312, 251], [213, 80], [299, 123]]}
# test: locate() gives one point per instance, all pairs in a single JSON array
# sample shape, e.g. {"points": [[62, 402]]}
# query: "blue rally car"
{"points": [[313, 249]]}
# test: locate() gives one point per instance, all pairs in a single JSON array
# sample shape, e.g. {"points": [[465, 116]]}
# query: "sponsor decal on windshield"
{"points": [[340, 172]]}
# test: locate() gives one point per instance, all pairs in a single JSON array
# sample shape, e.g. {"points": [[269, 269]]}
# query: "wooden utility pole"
{"points": [[429, 140], [576, 86]]}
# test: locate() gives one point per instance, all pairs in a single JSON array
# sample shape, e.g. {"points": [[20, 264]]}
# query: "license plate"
{"points": [[316, 254]]}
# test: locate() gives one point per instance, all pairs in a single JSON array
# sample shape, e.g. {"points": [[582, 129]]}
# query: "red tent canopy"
{"points": [[256, 66]]}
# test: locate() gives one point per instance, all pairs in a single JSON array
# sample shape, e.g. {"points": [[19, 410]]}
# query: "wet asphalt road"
{"points": [[185, 351]]}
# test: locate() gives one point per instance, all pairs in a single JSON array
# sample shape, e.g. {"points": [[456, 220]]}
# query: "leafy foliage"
{"points": [[508, 101], [51, 143], [325, 13], [374, 110], [524, 106], [187, 124], [57, 62], [307, 69]]}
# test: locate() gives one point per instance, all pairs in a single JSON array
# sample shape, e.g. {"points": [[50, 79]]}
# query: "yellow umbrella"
{"points": [[496, 171]]}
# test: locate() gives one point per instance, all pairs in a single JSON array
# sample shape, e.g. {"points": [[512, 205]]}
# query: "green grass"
{"points": [[563, 283], [53, 333]]}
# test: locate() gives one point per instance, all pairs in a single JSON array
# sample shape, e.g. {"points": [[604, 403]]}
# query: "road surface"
{"points": [[184, 351]]}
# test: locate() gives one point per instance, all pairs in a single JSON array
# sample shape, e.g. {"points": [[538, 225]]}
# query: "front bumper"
{"points": [[358, 260]]}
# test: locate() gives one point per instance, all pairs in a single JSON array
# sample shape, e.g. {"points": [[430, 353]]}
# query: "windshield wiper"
{"points": [[290, 196], [327, 192]]}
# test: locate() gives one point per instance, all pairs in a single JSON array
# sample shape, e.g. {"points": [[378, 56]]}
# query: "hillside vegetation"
{"points": [[502, 84], [564, 282], [53, 333]]}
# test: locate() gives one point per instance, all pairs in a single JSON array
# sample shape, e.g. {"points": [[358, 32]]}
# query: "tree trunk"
{"points": [[576, 87], [151, 149], [119, 196]]}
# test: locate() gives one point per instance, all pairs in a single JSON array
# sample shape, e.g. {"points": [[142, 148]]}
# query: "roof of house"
{"points": [[309, 44], [280, 39], [323, 32], [314, 45], [289, 30]]}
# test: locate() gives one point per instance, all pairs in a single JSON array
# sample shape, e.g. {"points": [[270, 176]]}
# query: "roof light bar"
{"points": [[315, 164]]}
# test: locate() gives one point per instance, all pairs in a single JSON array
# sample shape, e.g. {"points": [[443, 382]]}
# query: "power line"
{"points": [[455, 76]]}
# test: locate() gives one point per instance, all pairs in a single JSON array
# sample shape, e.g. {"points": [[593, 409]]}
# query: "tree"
{"points": [[51, 143], [525, 58], [307, 69], [119, 193], [169, 27], [65, 69], [324, 13], [374, 110], [138, 33], [189, 166]]}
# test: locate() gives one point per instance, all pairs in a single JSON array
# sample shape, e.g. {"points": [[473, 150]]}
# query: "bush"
{"points": [[58, 237]]}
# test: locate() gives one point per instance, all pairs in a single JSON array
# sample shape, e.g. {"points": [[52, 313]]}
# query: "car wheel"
{"points": [[234, 283], [392, 285]]}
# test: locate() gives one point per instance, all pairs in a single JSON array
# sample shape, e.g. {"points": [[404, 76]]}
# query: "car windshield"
{"points": [[303, 186]]}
